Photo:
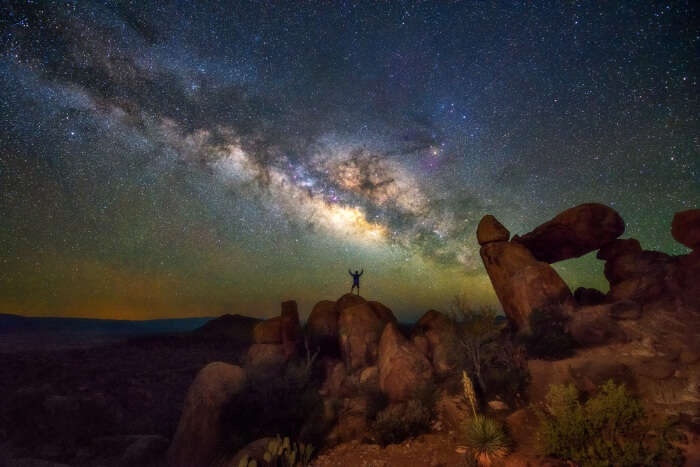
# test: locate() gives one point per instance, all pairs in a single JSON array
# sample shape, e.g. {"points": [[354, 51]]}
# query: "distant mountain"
{"points": [[14, 324], [236, 327]]}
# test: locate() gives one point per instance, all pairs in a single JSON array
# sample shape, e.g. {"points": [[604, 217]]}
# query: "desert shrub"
{"points": [[610, 428], [287, 403], [476, 328], [507, 376], [398, 422], [549, 338], [486, 438]]}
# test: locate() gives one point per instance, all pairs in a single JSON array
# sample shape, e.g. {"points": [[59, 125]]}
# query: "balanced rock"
{"points": [[490, 230], [198, 436], [522, 283], [435, 336], [573, 233], [685, 228], [322, 327], [268, 331], [403, 369]]}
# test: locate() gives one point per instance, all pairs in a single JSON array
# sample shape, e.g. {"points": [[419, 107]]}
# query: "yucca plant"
{"points": [[487, 439], [468, 389]]}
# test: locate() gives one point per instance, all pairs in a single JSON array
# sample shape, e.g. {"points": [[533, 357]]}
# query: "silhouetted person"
{"points": [[355, 280]]}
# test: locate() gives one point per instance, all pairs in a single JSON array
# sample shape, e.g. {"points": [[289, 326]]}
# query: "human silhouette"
{"points": [[355, 280]]}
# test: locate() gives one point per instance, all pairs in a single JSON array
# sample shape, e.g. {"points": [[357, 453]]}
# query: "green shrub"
{"points": [[401, 421], [610, 428], [549, 338], [486, 438]]}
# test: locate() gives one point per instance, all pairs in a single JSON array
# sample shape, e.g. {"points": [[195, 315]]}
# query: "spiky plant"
{"points": [[487, 439], [469, 393]]}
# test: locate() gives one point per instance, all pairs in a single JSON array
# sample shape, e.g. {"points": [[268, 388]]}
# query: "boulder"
{"points": [[587, 297], [369, 377], [522, 283], [403, 369], [322, 327], [639, 277], [268, 331], [490, 230], [290, 330], [348, 300], [594, 325], [435, 336], [685, 228], [619, 247], [573, 233], [266, 358], [383, 312], [359, 330], [198, 434]]}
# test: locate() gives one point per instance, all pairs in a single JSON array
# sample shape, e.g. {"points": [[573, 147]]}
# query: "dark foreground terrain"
{"points": [[95, 404]]}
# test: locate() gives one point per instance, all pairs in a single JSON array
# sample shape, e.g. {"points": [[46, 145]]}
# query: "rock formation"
{"points": [[435, 336], [198, 433], [573, 233], [522, 283], [403, 369], [360, 326], [490, 230], [685, 228], [322, 327]]}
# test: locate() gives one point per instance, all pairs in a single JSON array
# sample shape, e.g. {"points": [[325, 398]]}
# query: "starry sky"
{"points": [[185, 158]]}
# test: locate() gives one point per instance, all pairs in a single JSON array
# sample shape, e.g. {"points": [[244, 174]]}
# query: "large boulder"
{"points": [[322, 327], [198, 435], [522, 283], [268, 331], [435, 336], [359, 330], [348, 300], [490, 230], [266, 358], [619, 247], [573, 233], [383, 312], [360, 326], [685, 228], [403, 369]]}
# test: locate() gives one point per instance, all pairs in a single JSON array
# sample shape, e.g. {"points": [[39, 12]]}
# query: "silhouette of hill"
{"points": [[236, 327]]}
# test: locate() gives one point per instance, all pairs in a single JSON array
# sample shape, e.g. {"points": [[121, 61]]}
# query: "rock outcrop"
{"points": [[685, 228], [490, 230], [322, 327], [522, 283], [268, 331], [360, 326], [403, 369], [435, 336], [573, 233], [198, 434]]}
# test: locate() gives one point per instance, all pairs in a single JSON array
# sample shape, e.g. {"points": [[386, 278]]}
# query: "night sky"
{"points": [[178, 159]]}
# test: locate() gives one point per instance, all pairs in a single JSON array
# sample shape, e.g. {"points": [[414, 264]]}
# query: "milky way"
{"points": [[193, 158]]}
